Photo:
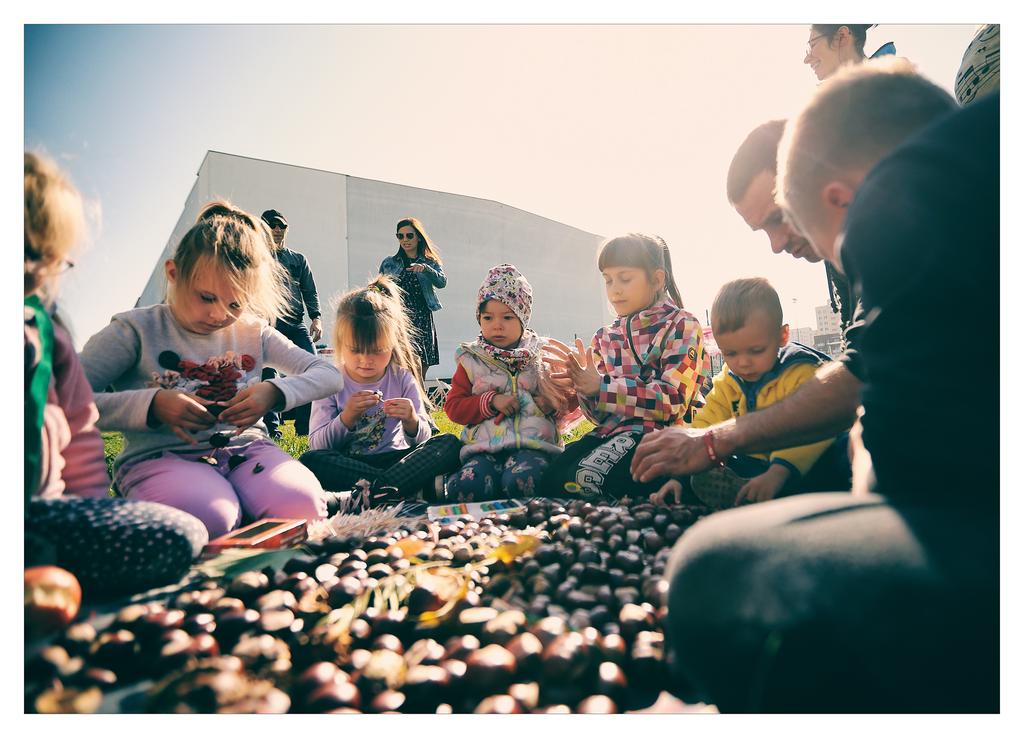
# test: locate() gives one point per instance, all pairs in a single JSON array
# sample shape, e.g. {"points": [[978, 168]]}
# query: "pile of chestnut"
{"points": [[576, 625]]}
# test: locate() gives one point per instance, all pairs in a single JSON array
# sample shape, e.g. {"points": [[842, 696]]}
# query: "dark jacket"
{"points": [[301, 287]]}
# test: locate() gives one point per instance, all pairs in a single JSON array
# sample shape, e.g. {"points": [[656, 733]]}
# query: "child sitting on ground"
{"points": [[641, 373], [187, 382], [761, 367], [510, 409], [69, 519], [376, 427]]}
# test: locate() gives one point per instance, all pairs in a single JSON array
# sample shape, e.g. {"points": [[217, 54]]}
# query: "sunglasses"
{"points": [[280, 226], [405, 236]]}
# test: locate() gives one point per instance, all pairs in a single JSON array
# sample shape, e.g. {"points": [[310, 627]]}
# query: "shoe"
{"points": [[276, 435], [338, 501], [440, 493], [717, 488]]}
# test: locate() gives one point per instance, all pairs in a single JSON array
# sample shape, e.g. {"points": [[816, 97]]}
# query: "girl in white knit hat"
{"points": [[511, 410]]}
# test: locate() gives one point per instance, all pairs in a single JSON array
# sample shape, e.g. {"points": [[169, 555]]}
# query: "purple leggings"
{"points": [[219, 495]]}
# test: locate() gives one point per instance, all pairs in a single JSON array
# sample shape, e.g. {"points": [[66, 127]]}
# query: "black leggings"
{"points": [[113, 546], [409, 470], [299, 335], [830, 603], [596, 467]]}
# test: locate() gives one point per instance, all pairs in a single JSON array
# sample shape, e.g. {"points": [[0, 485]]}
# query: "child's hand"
{"points": [[357, 404], [181, 412], [248, 406], [401, 408], [544, 405], [763, 486], [672, 487], [577, 365], [506, 405]]}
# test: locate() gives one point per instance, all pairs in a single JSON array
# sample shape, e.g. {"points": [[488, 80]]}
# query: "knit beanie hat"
{"points": [[506, 284]]}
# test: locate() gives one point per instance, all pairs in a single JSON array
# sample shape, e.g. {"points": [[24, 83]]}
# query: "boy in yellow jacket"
{"points": [[761, 367]]}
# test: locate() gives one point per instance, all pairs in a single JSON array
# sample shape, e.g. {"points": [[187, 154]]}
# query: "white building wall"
{"points": [[345, 226], [473, 235]]}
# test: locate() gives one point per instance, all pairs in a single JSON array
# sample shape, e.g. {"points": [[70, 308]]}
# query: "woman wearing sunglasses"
{"points": [[831, 46], [416, 267]]}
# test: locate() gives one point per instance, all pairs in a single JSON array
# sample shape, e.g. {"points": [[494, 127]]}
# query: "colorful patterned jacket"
{"points": [[652, 365]]}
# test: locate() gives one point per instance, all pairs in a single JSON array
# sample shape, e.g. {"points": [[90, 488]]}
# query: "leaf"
{"points": [[411, 546], [509, 552], [234, 561]]}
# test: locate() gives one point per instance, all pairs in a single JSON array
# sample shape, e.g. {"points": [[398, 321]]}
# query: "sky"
{"points": [[609, 128]]}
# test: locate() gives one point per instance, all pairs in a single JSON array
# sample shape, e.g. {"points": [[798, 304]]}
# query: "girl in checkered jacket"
{"points": [[641, 373]]}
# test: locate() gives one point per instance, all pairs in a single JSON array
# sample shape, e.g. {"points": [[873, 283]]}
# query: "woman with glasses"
{"points": [[416, 267], [831, 46]]}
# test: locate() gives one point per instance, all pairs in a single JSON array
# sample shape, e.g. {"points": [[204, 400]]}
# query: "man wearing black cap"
{"points": [[301, 291]]}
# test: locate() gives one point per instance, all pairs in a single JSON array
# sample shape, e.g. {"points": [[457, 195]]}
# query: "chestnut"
{"points": [[565, 659], [389, 642], [314, 677], [202, 622], [504, 627], [611, 680], [498, 704], [116, 650], [276, 622], [332, 696], [344, 591], [527, 650], [385, 670], [548, 629], [460, 647], [387, 701], [275, 599], [473, 619], [527, 695], [490, 669], [77, 638], [426, 652], [248, 585], [425, 687], [597, 704], [233, 625]]}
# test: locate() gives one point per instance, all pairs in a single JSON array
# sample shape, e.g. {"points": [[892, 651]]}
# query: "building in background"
{"points": [[828, 321], [345, 226], [828, 335], [802, 335], [828, 343]]}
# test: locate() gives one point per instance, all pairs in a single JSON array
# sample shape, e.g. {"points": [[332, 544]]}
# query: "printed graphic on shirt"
{"points": [[217, 379], [596, 465], [368, 432]]}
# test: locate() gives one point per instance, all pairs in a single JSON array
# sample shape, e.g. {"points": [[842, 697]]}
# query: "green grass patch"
{"points": [[298, 445]]}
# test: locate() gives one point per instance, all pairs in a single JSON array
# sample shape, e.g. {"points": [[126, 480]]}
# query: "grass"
{"points": [[298, 445]]}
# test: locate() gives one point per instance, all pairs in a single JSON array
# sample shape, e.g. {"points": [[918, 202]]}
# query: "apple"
{"points": [[52, 599]]}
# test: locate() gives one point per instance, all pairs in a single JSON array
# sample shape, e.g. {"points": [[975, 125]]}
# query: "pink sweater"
{"points": [[72, 451]]}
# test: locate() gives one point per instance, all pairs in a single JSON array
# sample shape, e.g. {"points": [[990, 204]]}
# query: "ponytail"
{"points": [[670, 280]]}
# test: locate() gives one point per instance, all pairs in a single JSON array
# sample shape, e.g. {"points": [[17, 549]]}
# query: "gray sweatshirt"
{"points": [[145, 350]]}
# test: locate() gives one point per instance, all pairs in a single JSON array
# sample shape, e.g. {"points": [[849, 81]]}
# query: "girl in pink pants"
{"points": [[186, 382]]}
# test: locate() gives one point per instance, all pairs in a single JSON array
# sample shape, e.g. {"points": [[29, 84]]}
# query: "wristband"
{"points": [[709, 446]]}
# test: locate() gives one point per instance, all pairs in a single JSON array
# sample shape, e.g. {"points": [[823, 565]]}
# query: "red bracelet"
{"points": [[709, 446]]}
